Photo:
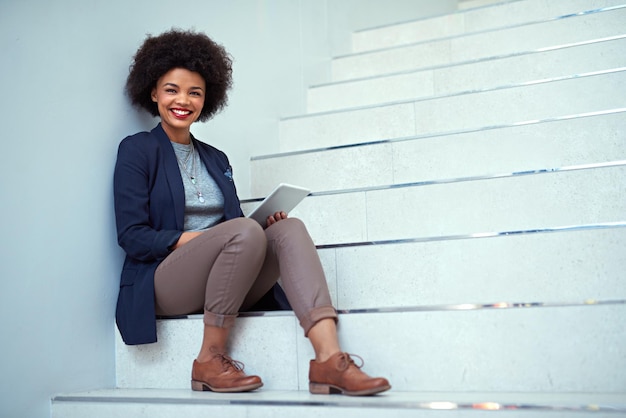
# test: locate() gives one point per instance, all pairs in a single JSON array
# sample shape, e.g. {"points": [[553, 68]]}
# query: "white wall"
{"points": [[62, 115]]}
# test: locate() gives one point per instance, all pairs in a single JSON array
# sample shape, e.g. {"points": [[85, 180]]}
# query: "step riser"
{"points": [[260, 343], [446, 351], [557, 267], [508, 106], [150, 410], [531, 147], [503, 15], [159, 410], [495, 205], [550, 145], [527, 350], [343, 128], [477, 76], [482, 45], [455, 113]]}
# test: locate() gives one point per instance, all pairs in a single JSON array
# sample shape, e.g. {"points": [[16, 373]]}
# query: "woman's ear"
{"points": [[153, 95]]}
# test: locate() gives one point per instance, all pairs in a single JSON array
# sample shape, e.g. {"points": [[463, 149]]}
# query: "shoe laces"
{"points": [[228, 362], [347, 360]]}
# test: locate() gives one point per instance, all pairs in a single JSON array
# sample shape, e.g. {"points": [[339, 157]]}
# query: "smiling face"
{"points": [[179, 95]]}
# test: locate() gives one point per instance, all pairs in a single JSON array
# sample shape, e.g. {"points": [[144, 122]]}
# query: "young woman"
{"points": [[188, 247]]}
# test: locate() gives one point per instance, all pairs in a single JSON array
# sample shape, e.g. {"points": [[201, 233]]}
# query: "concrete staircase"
{"points": [[469, 206]]}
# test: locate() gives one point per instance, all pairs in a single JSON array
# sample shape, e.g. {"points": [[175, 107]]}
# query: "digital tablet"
{"points": [[284, 198]]}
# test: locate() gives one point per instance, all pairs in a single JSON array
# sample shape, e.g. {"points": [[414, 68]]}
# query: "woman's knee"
{"points": [[291, 224], [294, 227], [296, 222], [288, 232], [248, 231]]}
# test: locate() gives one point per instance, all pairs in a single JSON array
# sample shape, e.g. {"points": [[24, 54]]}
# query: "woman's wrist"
{"points": [[185, 237]]}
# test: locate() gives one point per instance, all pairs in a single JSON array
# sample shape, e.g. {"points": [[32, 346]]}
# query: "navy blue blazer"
{"points": [[149, 202]]}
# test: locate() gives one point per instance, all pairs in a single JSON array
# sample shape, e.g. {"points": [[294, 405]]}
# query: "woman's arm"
{"points": [[131, 189]]}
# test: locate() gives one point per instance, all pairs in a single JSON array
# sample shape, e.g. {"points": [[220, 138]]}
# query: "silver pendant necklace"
{"points": [[192, 175]]}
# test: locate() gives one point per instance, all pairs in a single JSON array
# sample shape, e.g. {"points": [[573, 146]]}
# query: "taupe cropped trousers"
{"points": [[233, 264]]}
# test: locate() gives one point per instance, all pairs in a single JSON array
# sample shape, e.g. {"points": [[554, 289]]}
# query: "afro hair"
{"points": [[193, 51]]}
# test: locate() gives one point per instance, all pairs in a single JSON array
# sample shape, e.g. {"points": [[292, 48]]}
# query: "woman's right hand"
{"points": [[185, 238], [272, 219]]}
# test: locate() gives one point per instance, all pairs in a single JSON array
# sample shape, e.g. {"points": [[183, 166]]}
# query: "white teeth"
{"points": [[181, 112]]}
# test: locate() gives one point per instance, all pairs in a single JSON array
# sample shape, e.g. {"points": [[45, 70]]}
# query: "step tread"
{"points": [[391, 399]]}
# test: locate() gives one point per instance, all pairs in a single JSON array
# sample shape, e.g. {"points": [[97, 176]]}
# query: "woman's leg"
{"points": [[323, 337], [292, 254], [213, 272]]}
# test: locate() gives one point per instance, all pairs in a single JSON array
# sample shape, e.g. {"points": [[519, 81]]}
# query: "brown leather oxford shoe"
{"points": [[340, 374], [222, 374]]}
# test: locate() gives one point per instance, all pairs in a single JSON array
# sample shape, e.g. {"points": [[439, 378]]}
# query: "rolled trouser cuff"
{"points": [[218, 320], [316, 315]]}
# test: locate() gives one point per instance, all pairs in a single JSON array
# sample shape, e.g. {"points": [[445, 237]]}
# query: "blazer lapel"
{"points": [[172, 173]]}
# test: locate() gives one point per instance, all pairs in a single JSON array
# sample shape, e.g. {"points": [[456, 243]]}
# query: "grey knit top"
{"points": [[204, 201]]}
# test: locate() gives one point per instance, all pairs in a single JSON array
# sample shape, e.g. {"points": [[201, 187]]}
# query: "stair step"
{"points": [[560, 143], [549, 348], [518, 202], [485, 74], [470, 21], [566, 265], [161, 403], [514, 203], [572, 29], [451, 114]]}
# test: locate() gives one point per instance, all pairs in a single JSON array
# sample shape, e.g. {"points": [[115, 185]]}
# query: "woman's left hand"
{"points": [[278, 216]]}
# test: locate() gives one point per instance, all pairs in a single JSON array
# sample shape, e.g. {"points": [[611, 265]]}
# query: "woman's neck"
{"points": [[181, 136]]}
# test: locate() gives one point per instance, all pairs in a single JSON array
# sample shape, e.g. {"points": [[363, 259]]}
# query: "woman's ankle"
{"points": [[323, 356]]}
